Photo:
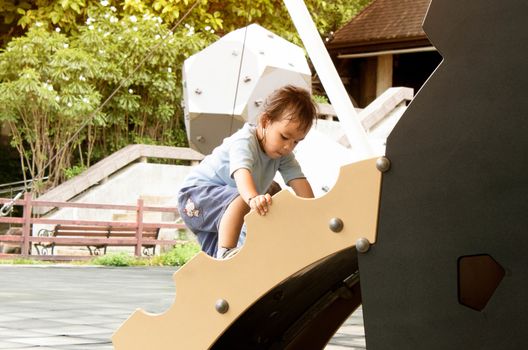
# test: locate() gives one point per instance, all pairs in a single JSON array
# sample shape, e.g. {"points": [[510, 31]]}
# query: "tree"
{"points": [[106, 87], [221, 15], [42, 99]]}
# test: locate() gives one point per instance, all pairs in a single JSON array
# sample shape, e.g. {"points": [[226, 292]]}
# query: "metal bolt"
{"points": [[222, 306], [234, 53], [362, 245], [247, 79], [198, 91], [258, 103], [200, 138], [383, 164], [336, 224]]}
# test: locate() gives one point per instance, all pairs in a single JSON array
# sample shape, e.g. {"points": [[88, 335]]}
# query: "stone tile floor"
{"points": [[68, 307]]}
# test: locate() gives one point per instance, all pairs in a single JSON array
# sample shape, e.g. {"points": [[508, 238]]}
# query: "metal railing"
{"points": [[17, 186]]}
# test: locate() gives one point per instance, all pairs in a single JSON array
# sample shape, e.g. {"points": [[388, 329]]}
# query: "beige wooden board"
{"points": [[293, 235]]}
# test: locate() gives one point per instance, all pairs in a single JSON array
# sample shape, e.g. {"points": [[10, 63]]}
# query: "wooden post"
{"points": [[26, 226], [384, 74], [139, 227]]}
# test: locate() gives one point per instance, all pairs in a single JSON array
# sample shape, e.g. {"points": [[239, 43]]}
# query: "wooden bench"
{"points": [[95, 238]]}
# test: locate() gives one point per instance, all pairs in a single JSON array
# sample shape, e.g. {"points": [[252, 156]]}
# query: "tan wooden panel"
{"points": [[293, 235]]}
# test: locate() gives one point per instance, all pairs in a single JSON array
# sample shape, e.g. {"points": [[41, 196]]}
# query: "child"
{"points": [[234, 178]]}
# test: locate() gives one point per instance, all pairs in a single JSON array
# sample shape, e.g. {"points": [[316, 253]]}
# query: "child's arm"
{"points": [[248, 191], [301, 187]]}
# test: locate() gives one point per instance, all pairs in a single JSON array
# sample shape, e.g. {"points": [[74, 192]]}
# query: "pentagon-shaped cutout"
{"points": [[478, 278]]}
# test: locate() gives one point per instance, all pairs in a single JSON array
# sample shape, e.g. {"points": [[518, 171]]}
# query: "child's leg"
{"points": [[231, 223]]}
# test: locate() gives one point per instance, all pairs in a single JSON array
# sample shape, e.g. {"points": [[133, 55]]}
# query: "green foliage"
{"points": [[53, 89], [44, 98], [73, 171], [320, 99], [178, 256], [143, 59], [21, 261], [221, 16], [116, 259]]}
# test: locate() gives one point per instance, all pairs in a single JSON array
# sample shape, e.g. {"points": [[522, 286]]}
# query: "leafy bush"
{"points": [[74, 171], [116, 259], [178, 256], [320, 99]]}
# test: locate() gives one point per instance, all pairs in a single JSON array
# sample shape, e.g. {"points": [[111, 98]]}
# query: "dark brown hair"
{"points": [[293, 103]]}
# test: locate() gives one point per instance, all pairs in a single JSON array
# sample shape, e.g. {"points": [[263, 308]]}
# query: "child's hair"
{"points": [[292, 102]]}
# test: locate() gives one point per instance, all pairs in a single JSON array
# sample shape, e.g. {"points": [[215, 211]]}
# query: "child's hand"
{"points": [[260, 203]]}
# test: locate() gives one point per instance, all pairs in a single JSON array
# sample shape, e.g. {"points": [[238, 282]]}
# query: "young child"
{"points": [[234, 178]]}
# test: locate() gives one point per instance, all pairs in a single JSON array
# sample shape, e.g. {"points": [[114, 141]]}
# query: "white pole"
{"points": [[331, 82]]}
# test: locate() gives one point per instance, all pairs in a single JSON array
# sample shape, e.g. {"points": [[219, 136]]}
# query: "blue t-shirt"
{"points": [[242, 150]]}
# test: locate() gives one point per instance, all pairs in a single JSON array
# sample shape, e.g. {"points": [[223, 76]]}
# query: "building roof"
{"points": [[384, 24]]}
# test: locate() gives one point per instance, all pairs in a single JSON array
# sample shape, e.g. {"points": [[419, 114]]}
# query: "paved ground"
{"points": [[78, 307]]}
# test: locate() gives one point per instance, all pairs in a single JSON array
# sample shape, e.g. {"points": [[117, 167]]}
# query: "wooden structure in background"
{"points": [[382, 47]]}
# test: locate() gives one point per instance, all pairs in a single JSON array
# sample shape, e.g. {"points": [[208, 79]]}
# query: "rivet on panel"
{"points": [[258, 103], [362, 245], [200, 139], [336, 224], [198, 91], [247, 79], [383, 164], [222, 306]]}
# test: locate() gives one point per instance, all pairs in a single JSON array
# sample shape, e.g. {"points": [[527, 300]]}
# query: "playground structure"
{"points": [[435, 231], [216, 298], [226, 83]]}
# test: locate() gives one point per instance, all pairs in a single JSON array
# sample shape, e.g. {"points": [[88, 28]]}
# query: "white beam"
{"points": [[387, 52], [330, 79]]}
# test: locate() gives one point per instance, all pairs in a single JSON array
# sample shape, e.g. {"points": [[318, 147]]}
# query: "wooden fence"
{"points": [[27, 221]]}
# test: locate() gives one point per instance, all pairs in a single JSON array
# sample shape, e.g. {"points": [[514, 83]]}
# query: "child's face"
{"points": [[281, 137]]}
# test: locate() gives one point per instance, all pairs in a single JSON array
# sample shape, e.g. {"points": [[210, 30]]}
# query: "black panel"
{"points": [[457, 187]]}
